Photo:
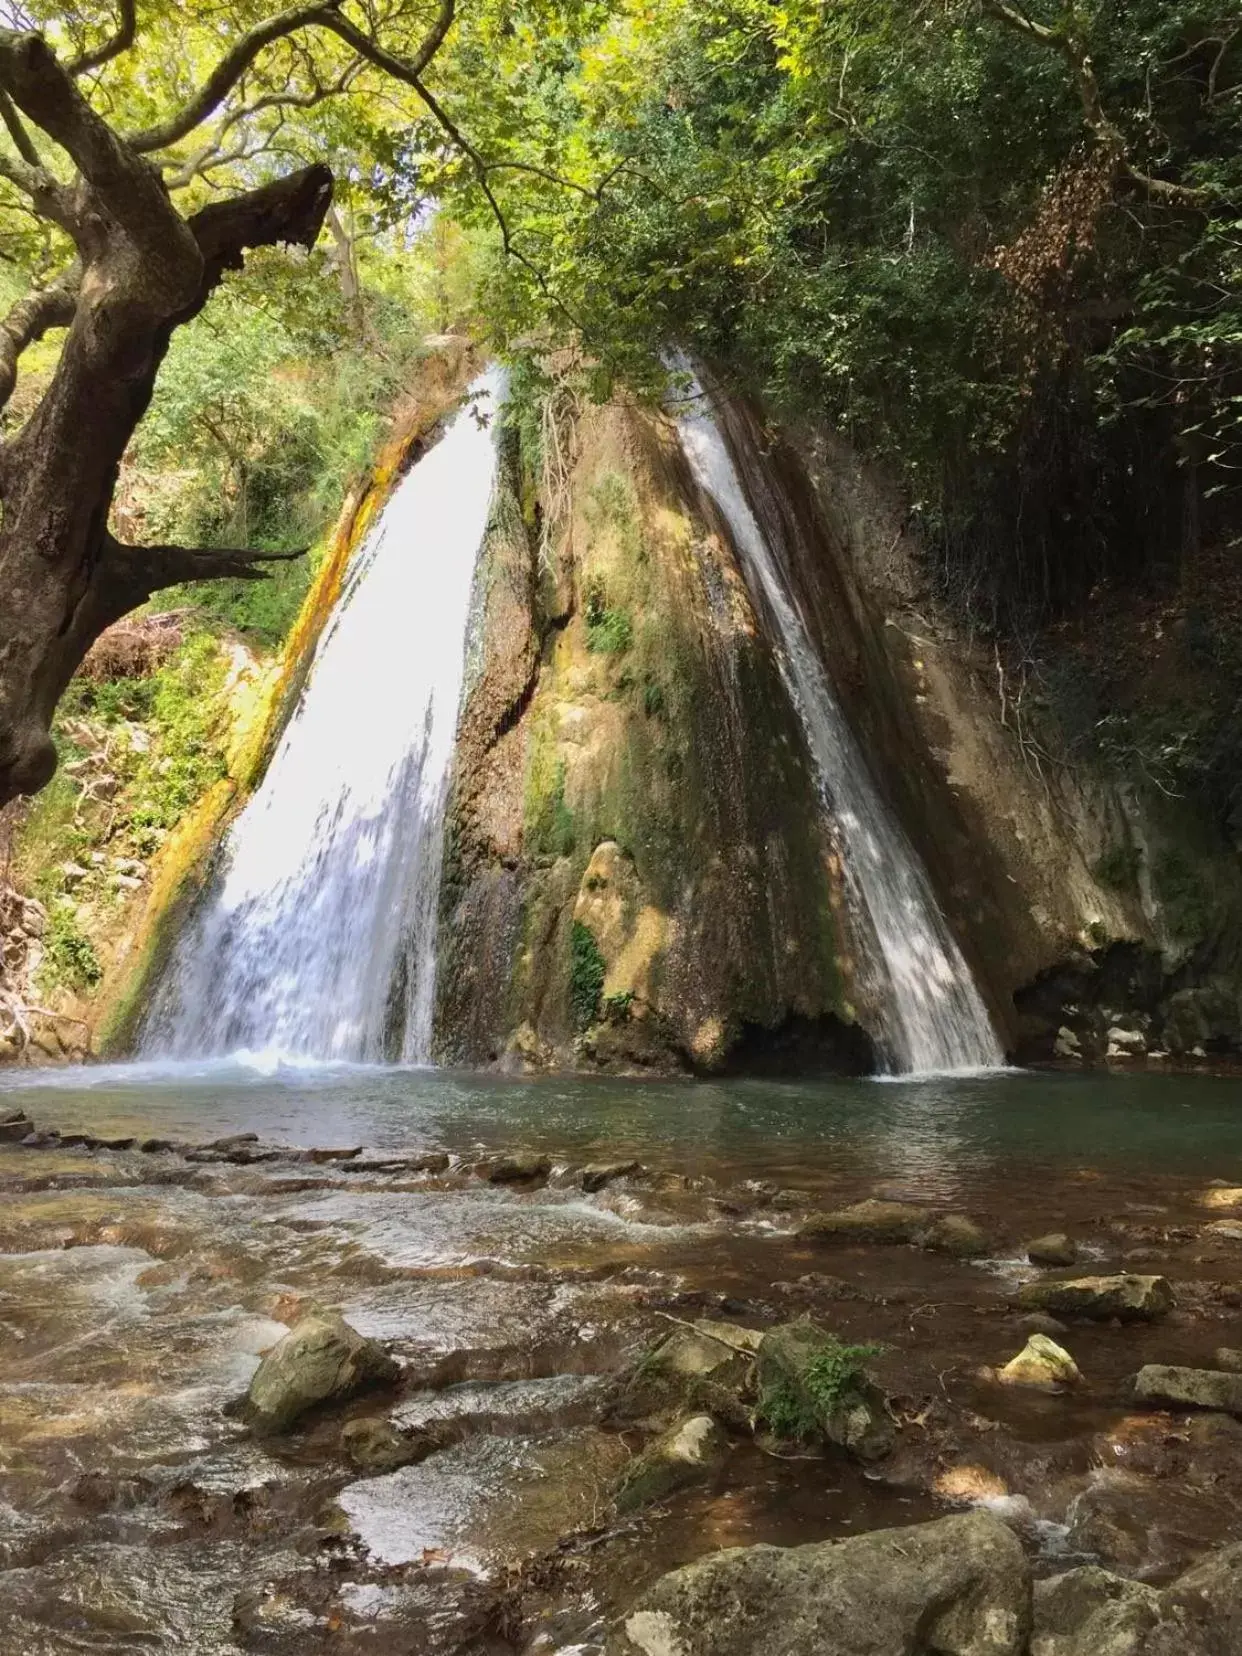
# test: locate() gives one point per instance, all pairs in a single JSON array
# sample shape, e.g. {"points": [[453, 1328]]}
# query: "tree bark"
{"points": [[146, 271]]}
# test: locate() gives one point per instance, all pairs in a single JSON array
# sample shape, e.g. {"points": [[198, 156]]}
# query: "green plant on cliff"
{"points": [[587, 971], [1118, 867], [69, 957], [609, 630], [549, 822]]}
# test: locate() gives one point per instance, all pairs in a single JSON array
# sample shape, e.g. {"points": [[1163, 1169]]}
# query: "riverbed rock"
{"points": [[14, 1126], [1228, 1358], [869, 1221], [1041, 1364], [960, 1586], [688, 1454], [321, 1360], [595, 1175], [1189, 1388], [1101, 1298], [854, 1415], [691, 1371], [1222, 1196], [956, 1235], [1091, 1612], [373, 1444], [523, 1168], [1054, 1249]]}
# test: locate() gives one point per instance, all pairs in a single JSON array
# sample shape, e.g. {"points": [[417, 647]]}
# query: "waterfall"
{"points": [[933, 1016], [318, 936]]}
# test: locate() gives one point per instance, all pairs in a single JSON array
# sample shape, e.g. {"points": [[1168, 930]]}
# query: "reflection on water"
{"points": [[939, 1134]]}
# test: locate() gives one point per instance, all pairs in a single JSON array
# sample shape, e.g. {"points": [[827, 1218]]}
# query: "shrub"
{"points": [[69, 958], [586, 976], [1118, 867]]}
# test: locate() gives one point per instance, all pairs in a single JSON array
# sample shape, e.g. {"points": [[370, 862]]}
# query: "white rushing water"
{"points": [[318, 937], [934, 1017]]}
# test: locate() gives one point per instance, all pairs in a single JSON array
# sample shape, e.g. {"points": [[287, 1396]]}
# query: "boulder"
{"points": [[1189, 1388], [1202, 1017], [1226, 1357], [731, 1334], [321, 1360], [960, 1586], [1091, 1612], [1054, 1249], [956, 1235], [810, 1386], [692, 1371], [1101, 1298], [1208, 1598], [15, 1126], [688, 1454], [1041, 1364], [869, 1221]]}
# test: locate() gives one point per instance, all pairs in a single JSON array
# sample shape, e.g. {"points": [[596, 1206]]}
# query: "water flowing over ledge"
{"points": [[318, 938], [933, 1015]]}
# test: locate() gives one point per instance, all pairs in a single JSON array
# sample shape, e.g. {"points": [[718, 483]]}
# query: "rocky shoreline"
{"points": [[500, 1401]]}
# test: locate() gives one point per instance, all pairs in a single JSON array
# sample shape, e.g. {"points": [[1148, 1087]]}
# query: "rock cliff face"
{"points": [[638, 873], [1099, 913]]}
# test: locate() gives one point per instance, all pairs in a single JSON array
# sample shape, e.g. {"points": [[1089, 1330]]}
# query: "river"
{"points": [[137, 1288]]}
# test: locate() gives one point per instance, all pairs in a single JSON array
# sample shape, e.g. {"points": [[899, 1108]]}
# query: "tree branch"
{"points": [[233, 65], [30, 319], [1068, 42], [116, 43], [135, 572]]}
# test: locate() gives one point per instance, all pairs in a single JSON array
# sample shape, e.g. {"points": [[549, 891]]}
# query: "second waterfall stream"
{"points": [[318, 938], [934, 1019]]}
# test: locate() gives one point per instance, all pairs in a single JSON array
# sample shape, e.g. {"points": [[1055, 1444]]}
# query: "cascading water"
{"points": [[318, 939], [934, 1018]]}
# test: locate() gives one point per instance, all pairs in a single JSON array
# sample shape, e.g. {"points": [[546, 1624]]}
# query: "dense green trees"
{"points": [[1000, 245]]}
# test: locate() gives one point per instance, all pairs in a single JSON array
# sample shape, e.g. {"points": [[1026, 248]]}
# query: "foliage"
{"points": [[587, 971], [69, 959], [1181, 891], [999, 246], [609, 630], [616, 1008]]}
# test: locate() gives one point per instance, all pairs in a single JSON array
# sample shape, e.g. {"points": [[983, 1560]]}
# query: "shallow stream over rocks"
{"points": [[145, 1267]]}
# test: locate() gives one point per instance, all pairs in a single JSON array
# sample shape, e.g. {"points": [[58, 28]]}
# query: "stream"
{"points": [[143, 1271]]}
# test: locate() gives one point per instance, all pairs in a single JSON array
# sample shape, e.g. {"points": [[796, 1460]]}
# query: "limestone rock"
{"points": [[960, 1586], [15, 1126], [731, 1334], [1067, 1044], [1189, 1388], [1041, 1364], [321, 1360], [956, 1235], [690, 1453], [1101, 1298], [1054, 1249], [1226, 1357], [854, 1415], [869, 1221], [1090, 1612]]}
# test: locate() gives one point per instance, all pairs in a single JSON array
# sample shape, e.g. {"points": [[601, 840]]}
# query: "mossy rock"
{"points": [[691, 1371], [812, 1385]]}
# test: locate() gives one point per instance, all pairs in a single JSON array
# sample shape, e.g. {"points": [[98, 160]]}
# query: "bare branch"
{"points": [[116, 43]]}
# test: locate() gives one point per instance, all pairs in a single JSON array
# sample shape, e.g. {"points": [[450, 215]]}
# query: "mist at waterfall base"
{"points": [[934, 1019], [317, 940]]}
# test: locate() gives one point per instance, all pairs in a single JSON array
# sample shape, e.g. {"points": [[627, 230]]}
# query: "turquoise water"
{"points": [[941, 1134]]}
